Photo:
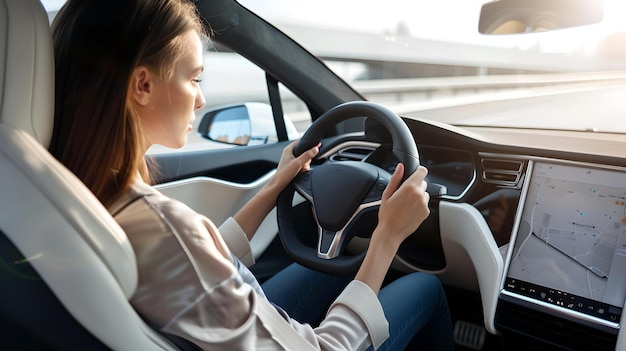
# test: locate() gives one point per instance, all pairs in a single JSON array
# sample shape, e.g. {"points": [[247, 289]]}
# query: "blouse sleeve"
{"points": [[354, 321], [237, 241]]}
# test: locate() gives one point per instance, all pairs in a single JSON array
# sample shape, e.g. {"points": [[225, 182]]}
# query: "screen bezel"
{"points": [[534, 303]]}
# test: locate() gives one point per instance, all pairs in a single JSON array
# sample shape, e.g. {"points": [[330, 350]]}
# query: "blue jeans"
{"points": [[415, 305]]}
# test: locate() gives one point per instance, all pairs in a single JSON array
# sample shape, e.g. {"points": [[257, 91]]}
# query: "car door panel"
{"points": [[242, 164], [218, 199], [218, 183]]}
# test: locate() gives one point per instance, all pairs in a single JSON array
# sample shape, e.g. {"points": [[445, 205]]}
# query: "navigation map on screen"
{"points": [[570, 246]]}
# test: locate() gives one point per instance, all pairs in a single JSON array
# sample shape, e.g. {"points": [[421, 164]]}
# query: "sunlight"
{"points": [[585, 39], [610, 41], [614, 15]]}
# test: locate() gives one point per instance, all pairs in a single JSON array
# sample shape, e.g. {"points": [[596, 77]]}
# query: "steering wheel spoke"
{"points": [[302, 183], [331, 243]]}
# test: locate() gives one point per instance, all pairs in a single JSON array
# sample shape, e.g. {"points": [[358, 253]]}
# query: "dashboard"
{"points": [[565, 281], [576, 295]]}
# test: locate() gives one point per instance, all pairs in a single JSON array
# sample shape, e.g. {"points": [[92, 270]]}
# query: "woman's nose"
{"points": [[200, 100]]}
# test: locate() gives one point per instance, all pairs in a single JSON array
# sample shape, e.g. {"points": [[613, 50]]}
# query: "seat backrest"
{"points": [[53, 230]]}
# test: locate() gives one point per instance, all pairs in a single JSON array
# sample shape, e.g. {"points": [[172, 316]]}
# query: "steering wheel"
{"points": [[340, 193]]}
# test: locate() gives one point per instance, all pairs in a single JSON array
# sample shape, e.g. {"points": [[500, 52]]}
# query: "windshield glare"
{"points": [[568, 79], [427, 59]]}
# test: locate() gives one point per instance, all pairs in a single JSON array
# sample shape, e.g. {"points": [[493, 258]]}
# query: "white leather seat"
{"points": [[50, 218]]}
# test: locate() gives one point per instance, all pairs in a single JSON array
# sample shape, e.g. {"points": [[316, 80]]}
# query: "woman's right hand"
{"points": [[404, 206]]}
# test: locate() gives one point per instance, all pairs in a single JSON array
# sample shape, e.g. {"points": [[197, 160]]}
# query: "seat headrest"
{"points": [[26, 69]]}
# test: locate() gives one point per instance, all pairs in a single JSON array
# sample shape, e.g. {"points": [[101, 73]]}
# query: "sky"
{"points": [[430, 17]]}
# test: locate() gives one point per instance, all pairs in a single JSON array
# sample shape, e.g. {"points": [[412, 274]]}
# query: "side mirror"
{"points": [[230, 125], [250, 123], [524, 16]]}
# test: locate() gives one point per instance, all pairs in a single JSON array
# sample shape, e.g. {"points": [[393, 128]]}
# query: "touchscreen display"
{"points": [[569, 242]]}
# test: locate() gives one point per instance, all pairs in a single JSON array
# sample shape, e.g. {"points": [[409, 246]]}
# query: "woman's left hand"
{"points": [[289, 166], [254, 211]]}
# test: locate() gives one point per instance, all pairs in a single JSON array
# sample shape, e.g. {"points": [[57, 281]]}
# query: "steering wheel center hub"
{"points": [[330, 183]]}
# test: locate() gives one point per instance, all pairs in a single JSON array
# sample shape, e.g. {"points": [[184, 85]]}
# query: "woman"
{"points": [[127, 74]]}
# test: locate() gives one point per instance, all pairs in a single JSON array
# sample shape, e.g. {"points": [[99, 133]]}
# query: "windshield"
{"points": [[424, 58]]}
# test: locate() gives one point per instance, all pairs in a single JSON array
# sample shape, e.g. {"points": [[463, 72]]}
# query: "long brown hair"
{"points": [[97, 46]]}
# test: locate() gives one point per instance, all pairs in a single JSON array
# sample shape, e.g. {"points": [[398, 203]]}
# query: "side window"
{"points": [[237, 110], [295, 110]]}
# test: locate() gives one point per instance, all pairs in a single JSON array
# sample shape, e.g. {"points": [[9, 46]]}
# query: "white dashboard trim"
{"points": [[468, 242]]}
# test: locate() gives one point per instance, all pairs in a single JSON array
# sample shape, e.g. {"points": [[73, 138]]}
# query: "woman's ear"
{"points": [[141, 85]]}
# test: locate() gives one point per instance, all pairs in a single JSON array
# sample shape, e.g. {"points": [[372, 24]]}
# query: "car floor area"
{"points": [[467, 318]]}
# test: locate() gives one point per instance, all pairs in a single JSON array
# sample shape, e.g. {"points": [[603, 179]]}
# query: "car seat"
{"points": [[67, 269]]}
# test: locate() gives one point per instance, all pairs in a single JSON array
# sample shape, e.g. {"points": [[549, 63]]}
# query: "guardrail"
{"points": [[423, 88], [454, 85]]}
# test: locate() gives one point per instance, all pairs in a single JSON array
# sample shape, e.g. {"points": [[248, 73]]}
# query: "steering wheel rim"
{"points": [[363, 182]]}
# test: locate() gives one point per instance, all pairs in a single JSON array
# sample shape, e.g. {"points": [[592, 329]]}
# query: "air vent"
{"points": [[352, 153], [502, 172]]}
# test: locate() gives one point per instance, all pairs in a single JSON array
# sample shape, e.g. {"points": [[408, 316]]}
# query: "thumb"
{"points": [[394, 182]]}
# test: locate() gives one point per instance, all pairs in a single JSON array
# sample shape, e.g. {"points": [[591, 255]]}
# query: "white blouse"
{"points": [[189, 285]]}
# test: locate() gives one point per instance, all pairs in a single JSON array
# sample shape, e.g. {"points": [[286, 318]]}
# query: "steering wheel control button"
{"points": [[376, 193]]}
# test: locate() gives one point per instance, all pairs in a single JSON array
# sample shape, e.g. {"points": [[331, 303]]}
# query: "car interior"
{"points": [[68, 269]]}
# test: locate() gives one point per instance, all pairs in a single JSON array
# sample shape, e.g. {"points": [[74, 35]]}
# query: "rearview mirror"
{"points": [[526, 16]]}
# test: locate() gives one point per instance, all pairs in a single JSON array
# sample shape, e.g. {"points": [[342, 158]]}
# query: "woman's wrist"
{"points": [[269, 193], [377, 260], [383, 238]]}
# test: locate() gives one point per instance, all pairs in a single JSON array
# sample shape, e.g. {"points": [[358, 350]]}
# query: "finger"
{"points": [[417, 182], [426, 198], [419, 175], [422, 190], [308, 155], [394, 182], [289, 148]]}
